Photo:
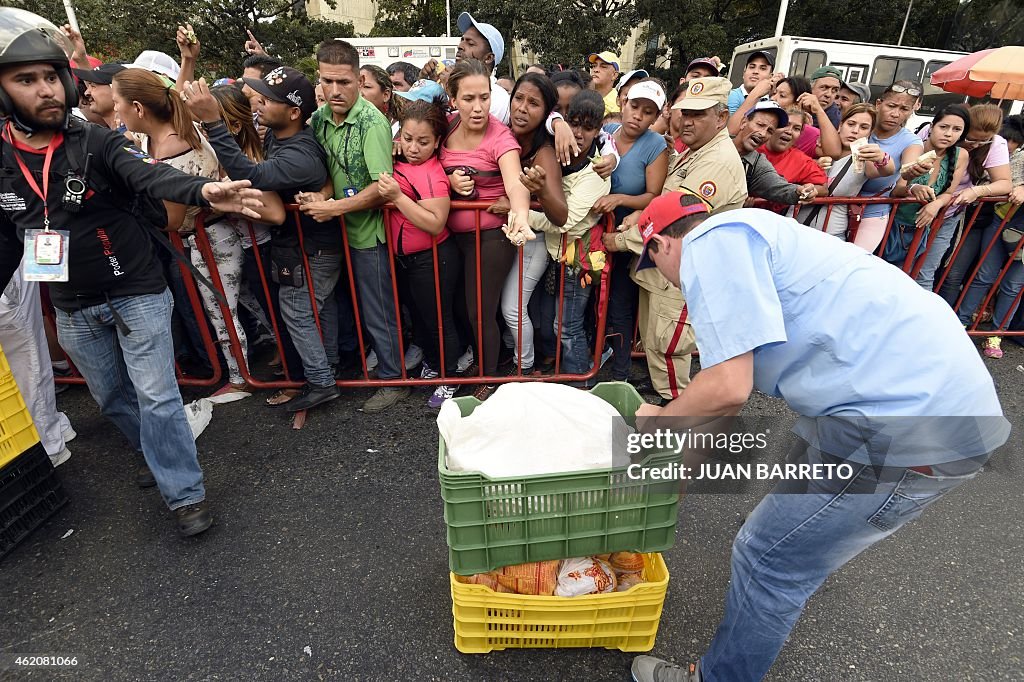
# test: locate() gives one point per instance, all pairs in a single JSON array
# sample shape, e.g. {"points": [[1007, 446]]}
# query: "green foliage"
{"points": [[411, 18], [560, 31], [117, 30]]}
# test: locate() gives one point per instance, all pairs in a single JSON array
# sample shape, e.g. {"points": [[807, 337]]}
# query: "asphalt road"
{"points": [[328, 560]]}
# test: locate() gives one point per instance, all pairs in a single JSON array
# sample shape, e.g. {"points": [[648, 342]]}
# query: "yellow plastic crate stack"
{"points": [[487, 621], [17, 432]]}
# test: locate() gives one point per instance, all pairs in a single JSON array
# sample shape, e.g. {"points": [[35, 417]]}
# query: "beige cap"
{"points": [[704, 93]]}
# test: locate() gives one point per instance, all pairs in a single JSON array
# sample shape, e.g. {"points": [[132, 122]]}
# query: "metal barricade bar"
{"points": [[911, 264]]}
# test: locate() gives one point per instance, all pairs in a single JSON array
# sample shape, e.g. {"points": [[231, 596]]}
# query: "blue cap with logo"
{"points": [[424, 91]]}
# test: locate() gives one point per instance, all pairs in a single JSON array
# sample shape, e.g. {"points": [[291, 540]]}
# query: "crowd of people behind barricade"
{"points": [[504, 290]]}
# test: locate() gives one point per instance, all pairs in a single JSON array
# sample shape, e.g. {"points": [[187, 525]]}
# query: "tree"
{"points": [[981, 24], [410, 18], [734, 22], [116, 30]]}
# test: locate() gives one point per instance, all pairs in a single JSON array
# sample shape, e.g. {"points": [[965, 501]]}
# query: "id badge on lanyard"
{"points": [[46, 250], [46, 255]]}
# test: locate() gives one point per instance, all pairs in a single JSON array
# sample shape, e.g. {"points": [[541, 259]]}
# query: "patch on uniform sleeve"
{"points": [[708, 189], [141, 155]]}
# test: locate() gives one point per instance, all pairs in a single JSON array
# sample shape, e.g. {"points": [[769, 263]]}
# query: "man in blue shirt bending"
{"points": [[883, 377]]}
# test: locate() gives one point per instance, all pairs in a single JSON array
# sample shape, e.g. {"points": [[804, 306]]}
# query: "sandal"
{"points": [[283, 396], [233, 388]]}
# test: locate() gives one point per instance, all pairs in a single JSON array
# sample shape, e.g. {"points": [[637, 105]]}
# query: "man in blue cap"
{"points": [[899, 429]]}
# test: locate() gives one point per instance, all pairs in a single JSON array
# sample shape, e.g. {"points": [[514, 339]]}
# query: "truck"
{"points": [[416, 50], [877, 66]]}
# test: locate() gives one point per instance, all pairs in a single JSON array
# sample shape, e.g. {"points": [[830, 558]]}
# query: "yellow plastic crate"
{"points": [[17, 432], [486, 620]]}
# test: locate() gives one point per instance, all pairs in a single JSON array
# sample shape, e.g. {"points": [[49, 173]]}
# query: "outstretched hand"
{"points": [[234, 196]]}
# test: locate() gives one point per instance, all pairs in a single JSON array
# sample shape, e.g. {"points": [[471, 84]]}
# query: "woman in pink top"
{"points": [[481, 157], [419, 190]]}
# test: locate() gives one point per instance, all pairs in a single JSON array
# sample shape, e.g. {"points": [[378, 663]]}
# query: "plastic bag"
{"points": [[533, 428], [199, 413], [578, 577], [628, 581]]}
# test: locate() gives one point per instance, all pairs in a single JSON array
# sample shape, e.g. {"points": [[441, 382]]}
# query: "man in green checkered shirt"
{"points": [[357, 138]]}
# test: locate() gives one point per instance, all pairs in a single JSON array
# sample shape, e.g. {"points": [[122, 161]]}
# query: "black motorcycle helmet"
{"points": [[26, 38]]}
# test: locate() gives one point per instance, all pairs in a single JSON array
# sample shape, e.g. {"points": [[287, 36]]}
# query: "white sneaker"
{"points": [[371, 361], [606, 355], [413, 356], [465, 361], [441, 394], [61, 457], [66, 431]]}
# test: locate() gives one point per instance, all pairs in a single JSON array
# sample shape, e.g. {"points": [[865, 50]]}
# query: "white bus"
{"points": [[877, 66], [416, 50]]}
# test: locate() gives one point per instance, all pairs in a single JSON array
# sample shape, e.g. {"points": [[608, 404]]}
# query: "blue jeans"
{"points": [[1010, 285], [297, 311], [576, 351], [791, 543], [932, 259], [130, 373], [372, 273], [622, 302], [535, 263]]}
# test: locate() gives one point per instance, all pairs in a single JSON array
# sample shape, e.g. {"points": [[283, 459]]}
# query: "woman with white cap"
{"points": [[639, 177]]}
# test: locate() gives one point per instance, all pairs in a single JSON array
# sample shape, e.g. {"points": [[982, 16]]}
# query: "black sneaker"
{"points": [[312, 396], [512, 370], [193, 519], [144, 477]]}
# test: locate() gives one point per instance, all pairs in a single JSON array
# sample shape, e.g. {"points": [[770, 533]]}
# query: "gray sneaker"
{"points": [[384, 398], [651, 669]]}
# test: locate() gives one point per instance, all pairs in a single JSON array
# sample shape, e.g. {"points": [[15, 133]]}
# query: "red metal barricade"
{"points": [[348, 276], [195, 303], [911, 265]]}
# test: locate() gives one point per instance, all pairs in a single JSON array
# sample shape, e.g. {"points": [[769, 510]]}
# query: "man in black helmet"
{"points": [[66, 191]]}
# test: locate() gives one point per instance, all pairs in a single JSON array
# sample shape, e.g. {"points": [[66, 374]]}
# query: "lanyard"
{"points": [[55, 142]]}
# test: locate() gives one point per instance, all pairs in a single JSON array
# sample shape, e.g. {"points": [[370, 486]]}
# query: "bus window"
{"points": [[739, 63], [888, 70], [806, 62], [935, 97], [856, 73]]}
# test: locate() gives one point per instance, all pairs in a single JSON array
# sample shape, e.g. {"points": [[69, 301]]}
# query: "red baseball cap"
{"points": [[659, 214]]}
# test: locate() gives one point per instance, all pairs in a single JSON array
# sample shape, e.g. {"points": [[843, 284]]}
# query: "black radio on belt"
{"points": [[75, 188]]}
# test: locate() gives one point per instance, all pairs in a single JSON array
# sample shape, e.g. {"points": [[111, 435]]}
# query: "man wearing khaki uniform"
{"points": [[711, 169]]}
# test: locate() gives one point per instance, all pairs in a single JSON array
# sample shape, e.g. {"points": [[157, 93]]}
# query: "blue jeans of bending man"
{"points": [[297, 311], [125, 352], [791, 543]]}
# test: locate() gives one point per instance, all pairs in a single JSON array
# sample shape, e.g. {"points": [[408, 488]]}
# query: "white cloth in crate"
{"points": [[530, 428]]}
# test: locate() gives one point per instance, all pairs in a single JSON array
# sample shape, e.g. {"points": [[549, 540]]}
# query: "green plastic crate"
{"points": [[494, 522]]}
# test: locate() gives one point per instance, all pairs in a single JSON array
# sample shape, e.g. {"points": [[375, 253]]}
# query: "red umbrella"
{"points": [[966, 77]]}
